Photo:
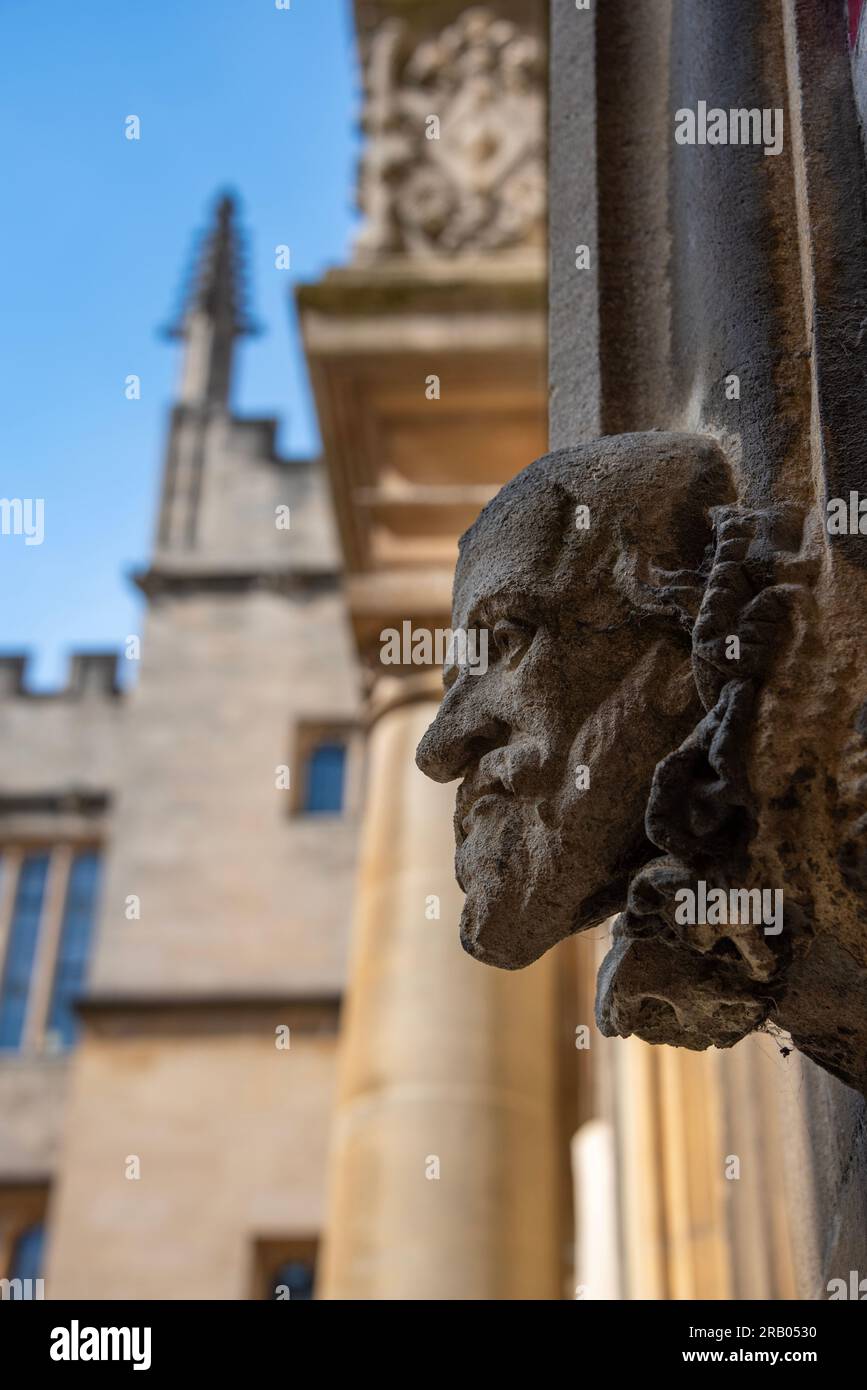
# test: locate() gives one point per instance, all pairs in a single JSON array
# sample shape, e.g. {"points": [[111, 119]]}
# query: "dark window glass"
{"points": [[324, 789], [21, 948], [27, 1254], [294, 1278], [74, 949]]}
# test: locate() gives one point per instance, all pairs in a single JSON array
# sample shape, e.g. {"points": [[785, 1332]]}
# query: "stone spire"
{"points": [[213, 312]]}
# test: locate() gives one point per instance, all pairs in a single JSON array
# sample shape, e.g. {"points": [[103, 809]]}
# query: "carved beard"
{"points": [[554, 819], [513, 912], [523, 860]]}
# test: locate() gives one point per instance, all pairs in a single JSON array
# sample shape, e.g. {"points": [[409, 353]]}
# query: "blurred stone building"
{"points": [[239, 1040], [182, 858], [178, 862]]}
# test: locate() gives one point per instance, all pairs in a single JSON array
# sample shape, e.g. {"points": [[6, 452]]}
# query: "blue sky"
{"points": [[94, 242]]}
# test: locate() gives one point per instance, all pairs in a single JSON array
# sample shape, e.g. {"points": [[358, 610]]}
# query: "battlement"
{"points": [[90, 674]]}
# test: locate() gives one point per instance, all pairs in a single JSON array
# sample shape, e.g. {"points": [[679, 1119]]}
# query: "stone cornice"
{"points": [[158, 581], [132, 1015]]}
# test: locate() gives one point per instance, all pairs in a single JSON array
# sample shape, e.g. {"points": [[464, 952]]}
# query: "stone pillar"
{"points": [[684, 318], [594, 1171], [444, 1181]]}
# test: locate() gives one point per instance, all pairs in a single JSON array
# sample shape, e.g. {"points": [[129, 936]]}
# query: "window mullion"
{"points": [[47, 944], [9, 871]]}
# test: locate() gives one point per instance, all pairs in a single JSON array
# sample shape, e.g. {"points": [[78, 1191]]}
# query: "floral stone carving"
{"points": [[454, 159]]}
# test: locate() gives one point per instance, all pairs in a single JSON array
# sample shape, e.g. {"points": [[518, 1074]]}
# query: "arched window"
{"points": [[27, 1254], [21, 948], [284, 1268], [43, 967], [293, 1280], [74, 948], [323, 786]]}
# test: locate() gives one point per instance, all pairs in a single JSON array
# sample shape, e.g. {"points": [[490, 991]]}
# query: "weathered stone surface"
{"points": [[699, 658]]}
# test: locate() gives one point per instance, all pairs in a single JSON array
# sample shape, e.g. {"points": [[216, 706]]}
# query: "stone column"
{"points": [[710, 266], [444, 1181]]}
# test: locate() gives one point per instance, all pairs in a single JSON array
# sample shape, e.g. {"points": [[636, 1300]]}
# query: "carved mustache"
{"points": [[466, 800], [513, 770]]}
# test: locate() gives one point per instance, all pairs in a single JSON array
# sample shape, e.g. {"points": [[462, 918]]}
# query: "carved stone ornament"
{"points": [[454, 160], [672, 726]]}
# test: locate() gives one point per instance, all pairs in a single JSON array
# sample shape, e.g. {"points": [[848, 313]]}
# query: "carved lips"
{"points": [[471, 800]]}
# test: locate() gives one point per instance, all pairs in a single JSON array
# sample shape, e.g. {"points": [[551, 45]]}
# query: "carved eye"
{"points": [[511, 640]]}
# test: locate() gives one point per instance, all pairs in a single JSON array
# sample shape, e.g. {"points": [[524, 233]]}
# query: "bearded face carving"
{"points": [[611, 754]]}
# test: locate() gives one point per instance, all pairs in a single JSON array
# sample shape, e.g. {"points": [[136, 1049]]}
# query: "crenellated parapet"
{"points": [[90, 674]]}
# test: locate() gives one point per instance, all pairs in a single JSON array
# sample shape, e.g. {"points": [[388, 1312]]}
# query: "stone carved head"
{"points": [[609, 754]]}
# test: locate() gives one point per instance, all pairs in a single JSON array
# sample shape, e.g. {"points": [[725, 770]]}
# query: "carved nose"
{"points": [[435, 755], [457, 738]]}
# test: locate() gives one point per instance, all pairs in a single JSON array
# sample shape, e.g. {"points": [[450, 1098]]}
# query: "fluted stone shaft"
{"points": [[443, 1179]]}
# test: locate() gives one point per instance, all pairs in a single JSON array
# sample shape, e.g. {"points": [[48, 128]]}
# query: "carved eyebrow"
{"points": [[611, 627], [506, 607]]}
